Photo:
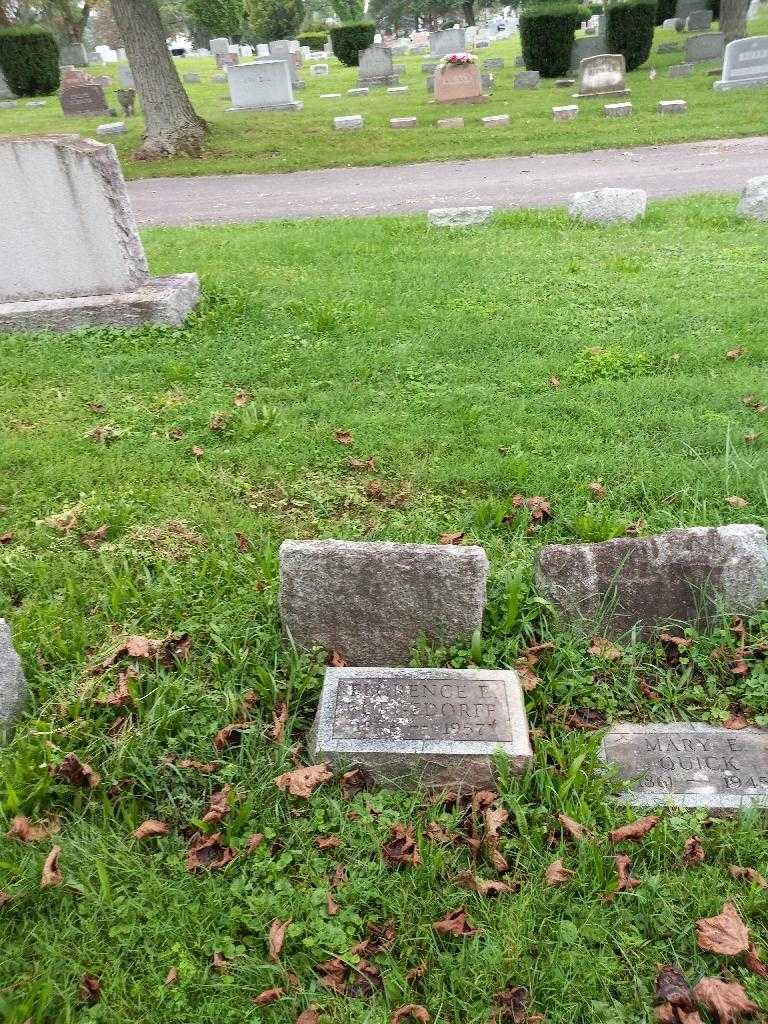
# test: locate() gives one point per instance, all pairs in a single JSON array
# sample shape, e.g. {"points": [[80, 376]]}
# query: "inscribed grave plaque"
{"points": [[85, 99], [429, 727], [745, 64], [602, 75], [690, 764], [706, 46]]}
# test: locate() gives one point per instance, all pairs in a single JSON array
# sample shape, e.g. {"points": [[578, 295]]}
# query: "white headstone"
{"points": [[745, 64], [450, 40], [219, 45], [602, 75], [261, 85]]}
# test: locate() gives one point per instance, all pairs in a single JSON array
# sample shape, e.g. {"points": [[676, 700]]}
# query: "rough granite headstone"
{"points": [[458, 83], [70, 254], [459, 216], [685, 7], [588, 46], [607, 206], [450, 40], [264, 84], [698, 21], [745, 64], [754, 199], [527, 80], [85, 100], [348, 123], [617, 109], [666, 107], [681, 70], [427, 728], [371, 602], [74, 54], [13, 685], [602, 75], [567, 113], [690, 765], [375, 66], [683, 576], [707, 46]]}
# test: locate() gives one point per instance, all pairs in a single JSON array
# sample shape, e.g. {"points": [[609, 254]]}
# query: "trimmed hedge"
{"points": [[349, 39], [665, 9], [629, 30], [546, 32], [314, 40], [29, 60]]}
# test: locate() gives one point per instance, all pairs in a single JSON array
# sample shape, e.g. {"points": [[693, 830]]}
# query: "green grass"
{"points": [[436, 351], [248, 142]]}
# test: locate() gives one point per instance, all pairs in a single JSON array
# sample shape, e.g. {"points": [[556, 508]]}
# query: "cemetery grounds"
{"points": [[370, 380], [291, 141]]}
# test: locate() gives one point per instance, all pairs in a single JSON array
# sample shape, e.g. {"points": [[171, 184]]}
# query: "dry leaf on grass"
{"points": [[573, 828], [754, 963], [230, 734], [635, 830], [253, 843], [76, 772], [736, 502], [23, 830], [412, 1011], [276, 938], [455, 922], [693, 852], [528, 678], [557, 873], [671, 987], [725, 934], [90, 989], [4, 898], [327, 842], [93, 539], [417, 973], [219, 806], [309, 1016], [353, 782], [623, 870], [735, 353], [279, 718], [598, 490], [539, 508], [748, 875], [51, 875], [172, 976], [482, 886], [150, 829], [331, 905], [603, 648], [727, 1000], [343, 437], [303, 781], [269, 995], [494, 818], [736, 722], [219, 963], [452, 538], [400, 848], [207, 853]]}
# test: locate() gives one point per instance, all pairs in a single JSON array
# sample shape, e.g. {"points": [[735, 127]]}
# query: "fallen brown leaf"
{"points": [[90, 989], [367, 466], [671, 987], [206, 767], [736, 502], [336, 660], [253, 843], [331, 905], [308, 1016], [76, 772], [693, 852], [482, 886], [539, 508], [417, 973], [276, 938], [51, 875], [279, 718], [172, 976], [218, 421], [455, 922], [400, 847], [603, 648], [598, 490], [94, 538], [197, 451], [230, 734], [573, 828], [207, 853], [735, 353], [269, 995], [23, 830], [725, 934], [150, 829], [412, 1011], [753, 962], [452, 538], [727, 1000], [747, 875], [5, 899], [353, 782], [303, 781], [494, 818], [219, 963], [623, 870], [327, 842], [343, 437], [121, 695], [219, 806], [241, 398], [528, 678], [557, 873], [7, 537], [736, 722], [437, 834], [635, 830]]}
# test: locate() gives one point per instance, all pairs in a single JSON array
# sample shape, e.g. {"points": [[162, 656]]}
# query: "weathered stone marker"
{"points": [[602, 75], [433, 728], [683, 576], [754, 199], [13, 685], [450, 40], [745, 64], [371, 602], [70, 254], [607, 206], [690, 764]]}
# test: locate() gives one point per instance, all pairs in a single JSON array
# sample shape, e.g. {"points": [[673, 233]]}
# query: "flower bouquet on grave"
{"points": [[458, 58]]}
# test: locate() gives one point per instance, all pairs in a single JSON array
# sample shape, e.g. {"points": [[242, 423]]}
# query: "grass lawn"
{"points": [[251, 142], [437, 352]]}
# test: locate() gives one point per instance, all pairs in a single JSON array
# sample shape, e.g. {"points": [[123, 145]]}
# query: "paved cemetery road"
{"points": [[505, 182]]}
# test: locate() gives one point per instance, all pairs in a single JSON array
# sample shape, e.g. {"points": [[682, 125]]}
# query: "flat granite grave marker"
{"points": [[370, 602], [602, 75], [682, 576], [690, 765], [745, 64], [434, 728], [70, 254], [13, 685]]}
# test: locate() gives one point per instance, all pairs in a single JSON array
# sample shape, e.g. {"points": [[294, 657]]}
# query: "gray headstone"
{"points": [[371, 602], [125, 76], [519, 61], [707, 46], [681, 70], [264, 84], [350, 123], [602, 75], [74, 54], [493, 64], [670, 23], [13, 685], [527, 80], [375, 66], [428, 67], [754, 199], [114, 128], [668, 48], [753, 10], [690, 765], [698, 21], [683, 576], [586, 47], [745, 64], [412, 728], [450, 40], [685, 7], [191, 77], [218, 46]]}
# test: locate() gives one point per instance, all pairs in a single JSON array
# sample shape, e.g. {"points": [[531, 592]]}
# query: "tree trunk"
{"points": [[171, 124], [733, 19], [468, 8]]}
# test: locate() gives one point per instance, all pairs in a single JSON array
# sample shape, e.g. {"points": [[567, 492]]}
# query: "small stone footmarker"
{"points": [[617, 109], [495, 121], [219, 79], [403, 122], [568, 113], [350, 123], [672, 107], [564, 83], [115, 128], [395, 90], [318, 70], [451, 122], [8, 104], [687, 576], [35, 103], [330, 96], [608, 205], [427, 728], [371, 602], [191, 78], [362, 90], [690, 765], [459, 216], [13, 685], [527, 80], [681, 70], [754, 199]]}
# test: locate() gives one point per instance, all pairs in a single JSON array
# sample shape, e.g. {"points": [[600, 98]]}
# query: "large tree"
{"points": [[275, 19], [733, 19], [68, 18], [171, 124]]}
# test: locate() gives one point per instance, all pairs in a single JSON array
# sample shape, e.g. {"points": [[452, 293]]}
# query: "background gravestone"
{"points": [[450, 40], [411, 728], [745, 64], [683, 576], [602, 76], [70, 254], [690, 764], [74, 54], [264, 84], [685, 7], [371, 602], [707, 46], [698, 21], [588, 46], [13, 685], [375, 67], [5, 89], [458, 83], [83, 99]]}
